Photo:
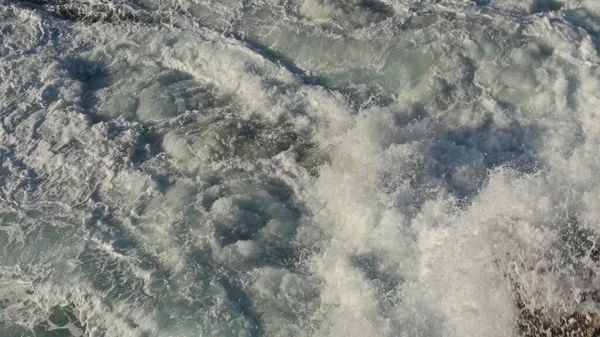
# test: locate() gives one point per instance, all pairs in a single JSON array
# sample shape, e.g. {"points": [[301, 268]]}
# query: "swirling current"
{"points": [[299, 168]]}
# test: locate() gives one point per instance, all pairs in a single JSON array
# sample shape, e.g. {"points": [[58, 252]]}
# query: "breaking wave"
{"points": [[299, 167]]}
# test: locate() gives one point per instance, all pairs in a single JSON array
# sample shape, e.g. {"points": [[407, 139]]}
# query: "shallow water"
{"points": [[297, 167]]}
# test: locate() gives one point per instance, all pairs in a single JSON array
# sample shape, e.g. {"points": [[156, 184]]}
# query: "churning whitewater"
{"points": [[306, 168]]}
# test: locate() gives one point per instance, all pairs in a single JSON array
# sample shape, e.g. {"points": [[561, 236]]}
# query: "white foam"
{"points": [[351, 13], [162, 179]]}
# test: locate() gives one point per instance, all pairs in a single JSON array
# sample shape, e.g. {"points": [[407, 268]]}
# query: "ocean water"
{"points": [[297, 167]]}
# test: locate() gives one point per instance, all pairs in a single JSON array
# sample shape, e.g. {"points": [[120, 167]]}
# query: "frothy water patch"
{"points": [[348, 13], [315, 168]]}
